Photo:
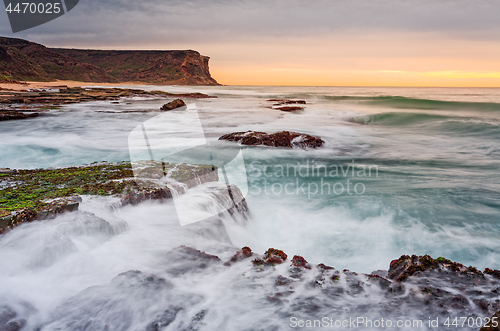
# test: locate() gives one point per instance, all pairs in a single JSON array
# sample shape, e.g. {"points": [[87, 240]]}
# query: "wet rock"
{"points": [[494, 273], [281, 281], [290, 108], [407, 266], [300, 262], [177, 103], [87, 224], [69, 95], [271, 257], [135, 195], [49, 211], [184, 259], [14, 115], [324, 267], [381, 281], [45, 193], [164, 319], [279, 102], [285, 139], [245, 253], [127, 301], [279, 297], [9, 320], [197, 321]]}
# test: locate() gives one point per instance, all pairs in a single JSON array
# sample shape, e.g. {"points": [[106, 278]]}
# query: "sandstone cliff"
{"points": [[24, 60]]}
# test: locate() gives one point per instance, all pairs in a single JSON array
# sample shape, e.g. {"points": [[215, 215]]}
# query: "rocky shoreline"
{"points": [[421, 287], [28, 195], [30, 103], [431, 288]]}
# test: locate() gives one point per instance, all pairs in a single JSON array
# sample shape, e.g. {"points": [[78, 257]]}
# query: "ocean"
{"points": [[402, 171]]}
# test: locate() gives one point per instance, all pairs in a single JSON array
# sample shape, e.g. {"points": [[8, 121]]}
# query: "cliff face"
{"points": [[24, 60], [154, 67]]}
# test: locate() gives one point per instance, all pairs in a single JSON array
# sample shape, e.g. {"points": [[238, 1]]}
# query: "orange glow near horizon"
{"points": [[305, 77], [353, 59], [392, 59]]}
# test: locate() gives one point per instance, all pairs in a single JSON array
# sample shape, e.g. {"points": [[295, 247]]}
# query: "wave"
{"points": [[398, 119], [432, 122], [424, 104]]}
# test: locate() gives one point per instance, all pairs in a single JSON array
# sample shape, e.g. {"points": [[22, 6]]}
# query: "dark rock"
{"points": [[164, 319], [9, 320], [30, 100], [271, 257], [245, 253], [134, 196], [26, 190], [407, 266], [14, 115], [282, 281], [300, 262], [196, 321], [494, 273], [324, 267], [131, 296], [287, 102], [6, 314], [279, 139], [290, 108], [187, 259], [381, 281], [177, 103], [13, 326]]}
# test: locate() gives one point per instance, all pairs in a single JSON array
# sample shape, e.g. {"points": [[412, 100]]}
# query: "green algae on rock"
{"points": [[27, 195]]}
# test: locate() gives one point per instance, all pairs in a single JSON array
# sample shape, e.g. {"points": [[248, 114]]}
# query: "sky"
{"points": [[291, 42]]}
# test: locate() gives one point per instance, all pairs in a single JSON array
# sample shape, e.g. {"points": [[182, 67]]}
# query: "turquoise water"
{"points": [[402, 171], [434, 153]]}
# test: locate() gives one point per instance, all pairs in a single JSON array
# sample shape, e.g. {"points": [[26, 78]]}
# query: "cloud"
{"points": [[112, 23]]}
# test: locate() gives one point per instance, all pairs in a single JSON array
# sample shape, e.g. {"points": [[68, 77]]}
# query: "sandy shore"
{"points": [[69, 83]]}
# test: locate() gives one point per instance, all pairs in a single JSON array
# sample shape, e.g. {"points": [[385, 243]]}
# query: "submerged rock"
{"points": [[67, 95], [132, 298], [177, 103], [279, 139], [245, 253], [9, 320], [290, 108], [279, 102], [15, 115], [184, 259], [136, 300], [164, 319]]}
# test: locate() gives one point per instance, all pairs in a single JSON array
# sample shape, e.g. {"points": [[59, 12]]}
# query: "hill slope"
{"points": [[24, 60], [157, 67]]}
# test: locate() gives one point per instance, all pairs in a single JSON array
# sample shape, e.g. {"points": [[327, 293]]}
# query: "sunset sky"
{"points": [[290, 42]]}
